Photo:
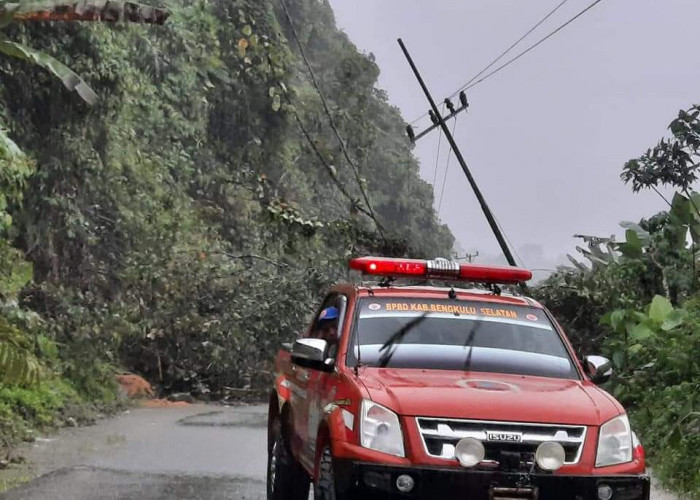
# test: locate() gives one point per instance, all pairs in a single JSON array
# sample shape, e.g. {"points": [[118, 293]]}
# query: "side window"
{"points": [[328, 324]]}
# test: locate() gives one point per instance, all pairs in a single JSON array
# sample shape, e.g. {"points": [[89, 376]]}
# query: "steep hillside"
{"points": [[184, 225]]}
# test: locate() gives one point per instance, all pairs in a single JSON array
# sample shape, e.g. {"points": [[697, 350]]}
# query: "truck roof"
{"points": [[433, 292]]}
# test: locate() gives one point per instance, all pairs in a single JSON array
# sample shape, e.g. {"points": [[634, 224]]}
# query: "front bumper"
{"points": [[372, 481]]}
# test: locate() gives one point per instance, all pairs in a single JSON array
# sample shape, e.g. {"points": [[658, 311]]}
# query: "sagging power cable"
{"points": [[511, 47], [532, 47], [447, 169], [331, 171], [437, 157], [522, 262], [328, 113], [322, 159]]}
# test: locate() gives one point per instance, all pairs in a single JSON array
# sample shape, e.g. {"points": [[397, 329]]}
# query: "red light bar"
{"points": [[389, 267], [439, 268]]}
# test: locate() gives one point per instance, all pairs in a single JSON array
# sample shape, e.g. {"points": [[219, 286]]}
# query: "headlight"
{"points": [[614, 442], [380, 429]]}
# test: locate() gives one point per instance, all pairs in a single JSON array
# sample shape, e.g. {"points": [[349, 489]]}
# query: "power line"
{"points": [[503, 54], [532, 47], [321, 158], [522, 262], [333, 175], [515, 44], [447, 169], [472, 83], [327, 110], [437, 158]]}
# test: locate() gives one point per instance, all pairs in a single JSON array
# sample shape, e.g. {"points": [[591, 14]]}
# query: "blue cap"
{"points": [[328, 314]]}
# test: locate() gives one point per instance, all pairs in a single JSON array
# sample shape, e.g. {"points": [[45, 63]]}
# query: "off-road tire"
{"points": [[286, 479], [324, 487]]}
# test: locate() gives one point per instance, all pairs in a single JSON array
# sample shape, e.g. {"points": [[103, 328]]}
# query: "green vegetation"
{"points": [[13, 482], [48, 404], [638, 302], [182, 226], [34, 389]]}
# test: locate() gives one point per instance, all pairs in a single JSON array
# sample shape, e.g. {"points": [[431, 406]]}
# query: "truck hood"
{"points": [[489, 396]]}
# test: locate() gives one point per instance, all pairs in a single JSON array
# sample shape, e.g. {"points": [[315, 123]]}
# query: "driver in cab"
{"points": [[327, 329]]}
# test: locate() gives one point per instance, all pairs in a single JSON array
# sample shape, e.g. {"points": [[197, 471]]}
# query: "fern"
{"points": [[18, 365]]}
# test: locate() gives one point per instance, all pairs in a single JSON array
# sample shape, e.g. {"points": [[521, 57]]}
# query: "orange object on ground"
{"points": [[134, 387], [163, 403]]}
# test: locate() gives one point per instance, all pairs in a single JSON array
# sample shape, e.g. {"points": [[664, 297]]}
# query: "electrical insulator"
{"points": [[463, 99], [411, 133], [433, 117]]}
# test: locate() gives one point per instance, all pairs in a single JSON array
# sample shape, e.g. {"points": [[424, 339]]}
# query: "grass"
{"points": [[53, 403], [13, 481]]}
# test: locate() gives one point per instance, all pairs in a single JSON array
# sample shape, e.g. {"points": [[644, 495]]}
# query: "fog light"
{"points": [[469, 452], [405, 483], [377, 480], [605, 492], [550, 456]]}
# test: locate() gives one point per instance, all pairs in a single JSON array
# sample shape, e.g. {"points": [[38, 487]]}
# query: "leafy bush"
{"points": [[638, 302], [657, 353], [655, 346], [23, 411]]}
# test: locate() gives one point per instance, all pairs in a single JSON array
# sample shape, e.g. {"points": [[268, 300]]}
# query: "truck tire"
{"points": [[286, 479], [324, 487]]}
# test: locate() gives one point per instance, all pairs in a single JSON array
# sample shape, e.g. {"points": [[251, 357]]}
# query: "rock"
{"points": [[180, 397]]}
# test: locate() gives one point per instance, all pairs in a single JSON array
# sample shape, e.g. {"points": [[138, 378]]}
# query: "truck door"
{"points": [[304, 380], [319, 384]]}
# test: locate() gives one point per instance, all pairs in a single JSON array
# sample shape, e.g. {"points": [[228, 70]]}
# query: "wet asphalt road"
{"points": [[207, 452], [197, 452]]}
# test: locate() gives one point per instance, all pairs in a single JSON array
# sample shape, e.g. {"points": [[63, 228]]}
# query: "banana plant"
{"points": [[57, 10], [17, 362]]}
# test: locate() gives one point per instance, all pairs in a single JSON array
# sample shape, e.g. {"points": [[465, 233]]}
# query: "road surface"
{"points": [[202, 452]]}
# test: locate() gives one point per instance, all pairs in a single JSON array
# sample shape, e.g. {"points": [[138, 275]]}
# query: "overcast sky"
{"points": [[547, 137]]}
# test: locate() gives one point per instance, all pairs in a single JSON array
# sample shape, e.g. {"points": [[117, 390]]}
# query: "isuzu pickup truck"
{"points": [[398, 391]]}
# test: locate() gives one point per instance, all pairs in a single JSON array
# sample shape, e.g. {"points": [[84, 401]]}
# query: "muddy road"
{"points": [[202, 452]]}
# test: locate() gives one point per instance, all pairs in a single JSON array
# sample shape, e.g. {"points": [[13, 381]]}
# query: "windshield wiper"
{"points": [[390, 345], [396, 338], [469, 343]]}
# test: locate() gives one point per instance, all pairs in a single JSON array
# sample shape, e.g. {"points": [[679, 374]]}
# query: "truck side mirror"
{"points": [[598, 368], [312, 353]]}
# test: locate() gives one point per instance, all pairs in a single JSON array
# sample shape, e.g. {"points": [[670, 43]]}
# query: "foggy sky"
{"points": [[547, 137]]}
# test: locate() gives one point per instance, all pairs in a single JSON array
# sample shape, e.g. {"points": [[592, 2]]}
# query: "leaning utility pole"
{"points": [[458, 154]]}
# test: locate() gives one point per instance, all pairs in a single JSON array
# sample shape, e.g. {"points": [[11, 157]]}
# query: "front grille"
{"points": [[440, 436]]}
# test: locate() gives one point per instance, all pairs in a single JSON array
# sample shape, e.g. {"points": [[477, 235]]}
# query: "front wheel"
{"points": [[286, 479], [324, 487]]}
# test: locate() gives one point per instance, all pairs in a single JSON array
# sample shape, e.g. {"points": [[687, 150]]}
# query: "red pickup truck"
{"points": [[421, 392]]}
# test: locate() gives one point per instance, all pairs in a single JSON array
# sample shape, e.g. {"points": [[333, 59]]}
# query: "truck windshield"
{"points": [[458, 335]]}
